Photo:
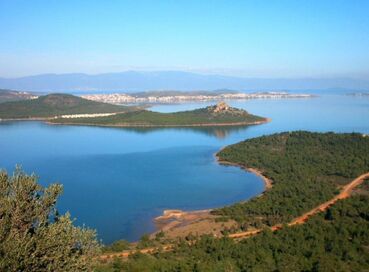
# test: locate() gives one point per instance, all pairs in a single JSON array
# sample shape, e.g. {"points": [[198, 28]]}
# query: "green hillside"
{"points": [[306, 168], [53, 105], [220, 114], [336, 240], [11, 95]]}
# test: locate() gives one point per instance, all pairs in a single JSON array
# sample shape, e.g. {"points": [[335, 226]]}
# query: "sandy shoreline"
{"points": [[180, 222]]}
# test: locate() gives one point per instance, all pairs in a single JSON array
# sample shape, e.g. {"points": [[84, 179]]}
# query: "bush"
{"points": [[33, 236]]}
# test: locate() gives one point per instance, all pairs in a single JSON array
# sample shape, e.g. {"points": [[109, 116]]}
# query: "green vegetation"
{"points": [[337, 240], [10, 95], [33, 236], [205, 116], [56, 105], [117, 246], [306, 169], [53, 105]]}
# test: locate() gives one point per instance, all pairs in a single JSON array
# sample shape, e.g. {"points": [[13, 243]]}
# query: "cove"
{"points": [[116, 180]]}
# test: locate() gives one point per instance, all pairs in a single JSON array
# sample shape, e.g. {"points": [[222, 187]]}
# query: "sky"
{"points": [[316, 38]]}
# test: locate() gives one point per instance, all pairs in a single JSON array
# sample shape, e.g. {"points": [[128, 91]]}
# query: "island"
{"points": [[73, 110], [217, 115]]}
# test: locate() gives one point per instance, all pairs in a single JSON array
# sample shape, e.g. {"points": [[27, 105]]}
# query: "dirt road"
{"points": [[344, 193]]}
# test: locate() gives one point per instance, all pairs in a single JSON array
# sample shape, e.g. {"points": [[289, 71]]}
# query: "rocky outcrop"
{"points": [[221, 107]]}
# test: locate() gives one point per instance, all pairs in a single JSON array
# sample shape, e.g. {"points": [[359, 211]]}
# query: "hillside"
{"points": [[52, 105], [10, 95], [306, 169], [336, 240], [218, 115]]}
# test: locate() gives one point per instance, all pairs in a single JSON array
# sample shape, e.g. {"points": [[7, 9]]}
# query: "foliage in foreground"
{"points": [[337, 240], [33, 236]]}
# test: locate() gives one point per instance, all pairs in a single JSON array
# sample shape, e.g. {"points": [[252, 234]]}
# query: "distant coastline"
{"points": [[168, 97]]}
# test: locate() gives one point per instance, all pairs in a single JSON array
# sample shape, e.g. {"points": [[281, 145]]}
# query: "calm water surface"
{"points": [[116, 180]]}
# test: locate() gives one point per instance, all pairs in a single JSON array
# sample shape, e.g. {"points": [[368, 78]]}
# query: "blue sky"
{"points": [[242, 38]]}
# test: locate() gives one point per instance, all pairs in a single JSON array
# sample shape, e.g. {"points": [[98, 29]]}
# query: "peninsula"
{"points": [[318, 205], [297, 167]]}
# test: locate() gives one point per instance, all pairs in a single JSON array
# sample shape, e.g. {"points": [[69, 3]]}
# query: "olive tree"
{"points": [[33, 236]]}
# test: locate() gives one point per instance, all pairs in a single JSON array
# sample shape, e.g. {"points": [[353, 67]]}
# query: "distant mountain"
{"points": [[133, 81]]}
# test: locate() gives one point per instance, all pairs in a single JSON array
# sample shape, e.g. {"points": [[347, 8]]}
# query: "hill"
{"points": [[52, 105], [137, 81], [218, 115], [306, 169], [10, 95]]}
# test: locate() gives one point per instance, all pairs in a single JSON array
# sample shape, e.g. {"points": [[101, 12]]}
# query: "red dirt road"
{"points": [[345, 192]]}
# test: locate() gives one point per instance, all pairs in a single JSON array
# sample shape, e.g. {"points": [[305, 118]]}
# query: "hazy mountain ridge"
{"points": [[134, 81]]}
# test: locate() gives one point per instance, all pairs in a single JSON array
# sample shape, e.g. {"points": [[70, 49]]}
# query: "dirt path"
{"points": [[126, 253], [344, 193]]}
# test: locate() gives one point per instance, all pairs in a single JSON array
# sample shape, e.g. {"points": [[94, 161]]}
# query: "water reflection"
{"points": [[219, 132]]}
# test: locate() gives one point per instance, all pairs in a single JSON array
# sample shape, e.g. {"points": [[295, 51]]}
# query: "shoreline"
{"points": [[126, 125], [174, 219], [267, 181], [344, 193], [48, 120]]}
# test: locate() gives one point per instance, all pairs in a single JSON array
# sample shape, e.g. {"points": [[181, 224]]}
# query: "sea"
{"points": [[116, 180]]}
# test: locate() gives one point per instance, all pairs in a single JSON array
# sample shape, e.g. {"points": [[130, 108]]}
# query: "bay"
{"points": [[117, 179]]}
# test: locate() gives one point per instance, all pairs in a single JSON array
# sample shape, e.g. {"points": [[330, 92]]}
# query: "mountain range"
{"points": [[134, 81]]}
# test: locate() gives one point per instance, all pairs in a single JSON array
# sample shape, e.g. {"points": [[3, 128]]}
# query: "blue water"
{"points": [[116, 180]]}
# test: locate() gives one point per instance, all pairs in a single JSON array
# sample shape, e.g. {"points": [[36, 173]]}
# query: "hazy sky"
{"points": [[248, 38]]}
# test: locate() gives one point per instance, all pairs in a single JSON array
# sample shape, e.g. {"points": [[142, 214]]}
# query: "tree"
{"points": [[33, 236]]}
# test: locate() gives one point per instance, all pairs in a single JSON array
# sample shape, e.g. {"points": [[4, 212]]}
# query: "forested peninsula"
{"points": [[307, 169]]}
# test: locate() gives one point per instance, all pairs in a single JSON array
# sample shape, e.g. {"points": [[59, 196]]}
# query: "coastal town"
{"points": [[151, 97]]}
